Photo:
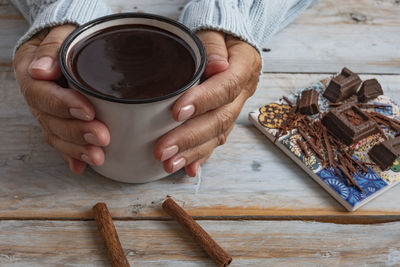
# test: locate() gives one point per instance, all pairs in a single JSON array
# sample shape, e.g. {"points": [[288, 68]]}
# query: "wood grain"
{"points": [[163, 243], [361, 34], [248, 177]]}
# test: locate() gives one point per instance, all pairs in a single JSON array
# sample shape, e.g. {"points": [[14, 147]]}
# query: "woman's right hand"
{"points": [[65, 115]]}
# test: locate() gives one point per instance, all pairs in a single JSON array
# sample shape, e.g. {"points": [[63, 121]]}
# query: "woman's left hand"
{"points": [[209, 110]]}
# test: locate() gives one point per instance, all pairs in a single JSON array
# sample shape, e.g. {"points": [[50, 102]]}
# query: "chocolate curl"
{"points": [[109, 234], [287, 101], [349, 171], [334, 104], [286, 123], [338, 173], [310, 143], [202, 237], [302, 147], [350, 177], [382, 132], [359, 164], [364, 105], [394, 124], [328, 147]]}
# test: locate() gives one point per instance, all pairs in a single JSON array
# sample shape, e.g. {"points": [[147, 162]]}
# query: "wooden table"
{"points": [[261, 207]]}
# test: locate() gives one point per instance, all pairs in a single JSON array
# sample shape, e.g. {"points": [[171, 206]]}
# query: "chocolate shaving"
{"points": [[328, 147], [338, 173], [350, 177], [364, 105], [333, 151], [388, 122], [287, 101], [358, 163], [302, 147], [311, 144]]}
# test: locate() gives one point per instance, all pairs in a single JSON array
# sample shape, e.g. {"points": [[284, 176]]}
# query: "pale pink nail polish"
{"points": [[178, 164], [79, 114], [169, 152], [215, 57], [185, 112], [86, 159], [43, 63], [91, 139]]}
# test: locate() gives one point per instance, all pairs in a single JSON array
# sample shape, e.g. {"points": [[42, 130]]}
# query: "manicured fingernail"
{"points": [[91, 139], [43, 63], [79, 114], [215, 57], [169, 152], [86, 159], [178, 164], [185, 113]]}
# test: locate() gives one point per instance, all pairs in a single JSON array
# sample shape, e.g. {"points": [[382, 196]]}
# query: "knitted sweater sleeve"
{"points": [[42, 14], [254, 21]]}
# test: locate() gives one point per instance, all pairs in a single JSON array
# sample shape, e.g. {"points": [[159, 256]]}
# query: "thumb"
{"points": [[45, 66], [217, 54]]}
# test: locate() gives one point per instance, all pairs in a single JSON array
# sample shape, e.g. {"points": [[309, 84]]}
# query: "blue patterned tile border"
{"points": [[370, 182]]}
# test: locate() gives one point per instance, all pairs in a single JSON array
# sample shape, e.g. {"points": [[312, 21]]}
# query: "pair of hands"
{"points": [[209, 110]]}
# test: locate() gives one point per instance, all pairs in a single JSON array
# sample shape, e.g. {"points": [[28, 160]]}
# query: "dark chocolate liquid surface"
{"points": [[133, 62]]}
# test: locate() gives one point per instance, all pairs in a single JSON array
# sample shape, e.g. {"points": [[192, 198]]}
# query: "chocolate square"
{"points": [[370, 89], [385, 153], [308, 103], [342, 86], [349, 124]]}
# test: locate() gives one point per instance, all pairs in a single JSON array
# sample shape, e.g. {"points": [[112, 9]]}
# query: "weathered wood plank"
{"points": [[363, 35], [331, 34], [248, 176], [163, 243]]}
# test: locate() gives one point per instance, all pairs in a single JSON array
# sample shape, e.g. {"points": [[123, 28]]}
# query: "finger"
{"points": [[199, 130], [50, 98], [220, 89], [193, 168], [76, 166], [75, 131], [217, 54], [89, 154], [45, 64], [191, 155]]}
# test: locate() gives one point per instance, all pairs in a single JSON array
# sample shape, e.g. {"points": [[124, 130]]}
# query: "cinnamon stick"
{"points": [[202, 237], [109, 234]]}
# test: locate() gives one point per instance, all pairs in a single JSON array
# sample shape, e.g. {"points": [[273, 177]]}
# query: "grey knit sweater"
{"points": [[254, 21]]}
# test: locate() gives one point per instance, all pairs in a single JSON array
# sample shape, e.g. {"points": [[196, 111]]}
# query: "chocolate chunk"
{"points": [[385, 153], [342, 86], [349, 124], [308, 103], [370, 89]]}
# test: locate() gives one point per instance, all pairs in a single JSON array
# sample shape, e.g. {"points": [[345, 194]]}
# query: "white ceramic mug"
{"points": [[134, 124]]}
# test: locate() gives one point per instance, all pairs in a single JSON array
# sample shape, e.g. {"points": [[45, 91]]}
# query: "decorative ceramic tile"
{"points": [[269, 117], [370, 182]]}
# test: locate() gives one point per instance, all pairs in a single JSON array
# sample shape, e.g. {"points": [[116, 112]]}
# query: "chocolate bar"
{"points": [[308, 103], [370, 89], [342, 86], [349, 124], [385, 153]]}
